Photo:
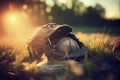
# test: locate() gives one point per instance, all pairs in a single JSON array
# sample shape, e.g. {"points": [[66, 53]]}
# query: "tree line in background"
{"points": [[78, 15]]}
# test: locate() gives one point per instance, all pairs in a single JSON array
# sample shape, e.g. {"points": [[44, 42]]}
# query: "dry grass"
{"points": [[96, 43], [16, 49], [99, 42]]}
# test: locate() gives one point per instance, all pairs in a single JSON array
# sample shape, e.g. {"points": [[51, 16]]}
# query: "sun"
{"points": [[12, 18]]}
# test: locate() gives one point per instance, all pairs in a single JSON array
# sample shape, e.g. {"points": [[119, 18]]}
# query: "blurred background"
{"points": [[19, 17], [96, 23]]}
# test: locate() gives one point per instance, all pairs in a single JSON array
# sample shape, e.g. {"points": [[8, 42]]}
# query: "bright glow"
{"points": [[25, 6], [12, 18], [50, 2], [16, 24], [88, 2], [62, 1], [67, 3]]}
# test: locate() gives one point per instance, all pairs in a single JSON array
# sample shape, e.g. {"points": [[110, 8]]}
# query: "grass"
{"points": [[13, 51], [92, 29]]}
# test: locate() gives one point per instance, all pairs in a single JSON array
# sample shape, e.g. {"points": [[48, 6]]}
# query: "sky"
{"points": [[112, 7]]}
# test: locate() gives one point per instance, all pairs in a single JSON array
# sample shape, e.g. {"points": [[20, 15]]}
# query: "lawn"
{"points": [[15, 63], [105, 30]]}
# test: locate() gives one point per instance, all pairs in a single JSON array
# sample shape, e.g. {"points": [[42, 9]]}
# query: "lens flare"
{"points": [[9, 18], [12, 18], [16, 24]]}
